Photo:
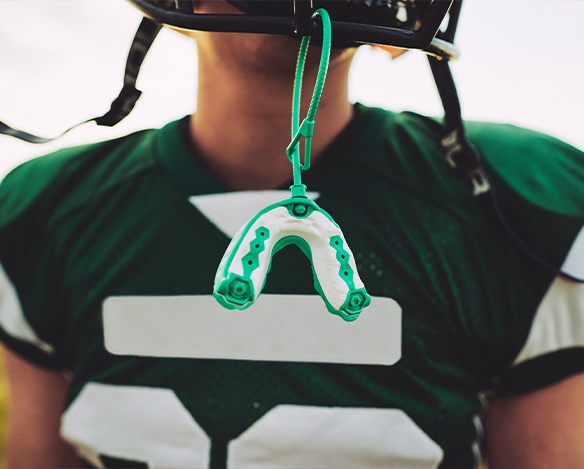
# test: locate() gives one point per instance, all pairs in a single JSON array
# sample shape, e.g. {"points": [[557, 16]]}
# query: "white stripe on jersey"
{"points": [[12, 318], [559, 321], [574, 263]]}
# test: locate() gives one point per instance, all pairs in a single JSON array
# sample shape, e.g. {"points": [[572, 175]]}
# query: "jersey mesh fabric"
{"points": [[114, 219]]}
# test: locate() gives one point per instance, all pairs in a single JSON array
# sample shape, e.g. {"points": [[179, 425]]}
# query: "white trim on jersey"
{"points": [[574, 263], [296, 328], [231, 210], [559, 321], [12, 318]]}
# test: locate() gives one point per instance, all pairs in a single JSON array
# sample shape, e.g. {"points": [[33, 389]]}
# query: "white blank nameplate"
{"points": [[288, 328]]}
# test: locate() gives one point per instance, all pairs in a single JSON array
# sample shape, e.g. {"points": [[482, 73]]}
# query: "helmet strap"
{"points": [[127, 98]]}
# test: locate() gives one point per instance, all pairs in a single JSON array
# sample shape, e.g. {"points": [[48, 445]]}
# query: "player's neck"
{"points": [[242, 125]]}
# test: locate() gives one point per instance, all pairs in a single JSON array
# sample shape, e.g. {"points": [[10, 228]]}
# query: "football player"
{"points": [[468, 236]]}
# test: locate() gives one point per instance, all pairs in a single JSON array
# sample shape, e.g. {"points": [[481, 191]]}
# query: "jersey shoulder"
{"points": [[535, 178], [533, 166], [541, 168], [59, 181], [40, 201]]}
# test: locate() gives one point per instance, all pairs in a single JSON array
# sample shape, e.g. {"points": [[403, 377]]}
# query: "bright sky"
{"points": [[61, 61]]}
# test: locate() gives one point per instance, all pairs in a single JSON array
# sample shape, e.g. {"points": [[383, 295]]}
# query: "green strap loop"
{"points": [[306, 128]]}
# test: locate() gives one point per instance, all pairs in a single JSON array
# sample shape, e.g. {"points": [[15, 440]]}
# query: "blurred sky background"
{"points": [[61, 62]]}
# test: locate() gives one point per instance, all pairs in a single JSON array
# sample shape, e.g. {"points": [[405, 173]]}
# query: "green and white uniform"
{"points": [[119, 242]]}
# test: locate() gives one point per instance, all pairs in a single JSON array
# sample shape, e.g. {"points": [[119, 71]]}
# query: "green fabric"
{"points": [[114, 219]]}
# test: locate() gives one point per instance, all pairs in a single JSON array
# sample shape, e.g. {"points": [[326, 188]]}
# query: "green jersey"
{"points": [[108, 256]]}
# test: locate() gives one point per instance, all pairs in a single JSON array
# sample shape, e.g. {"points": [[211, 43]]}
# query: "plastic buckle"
{"points": [[464, 161]]}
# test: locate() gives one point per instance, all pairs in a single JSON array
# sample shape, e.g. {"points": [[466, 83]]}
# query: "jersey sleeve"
{"points": [[554, 348], [29, 322], [539, 182], [42, 203]]}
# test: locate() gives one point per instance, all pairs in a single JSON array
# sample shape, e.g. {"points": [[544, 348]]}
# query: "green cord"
{"points": [[306, 128]]}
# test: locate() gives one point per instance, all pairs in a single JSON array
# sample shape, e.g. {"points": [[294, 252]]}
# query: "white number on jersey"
{"points": [[151, 425]]}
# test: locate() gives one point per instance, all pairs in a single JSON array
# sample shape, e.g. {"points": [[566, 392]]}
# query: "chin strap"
{"points": [[465, 163], [461, 156], [298, 220], [126, 100]]}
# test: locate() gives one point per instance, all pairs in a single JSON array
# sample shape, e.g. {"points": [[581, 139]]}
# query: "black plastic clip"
{"points": [[304, 24], [120, 107], [464, 161]]}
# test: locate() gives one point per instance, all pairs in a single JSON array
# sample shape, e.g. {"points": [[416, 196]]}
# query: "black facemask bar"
{"points": [[301, 23]]}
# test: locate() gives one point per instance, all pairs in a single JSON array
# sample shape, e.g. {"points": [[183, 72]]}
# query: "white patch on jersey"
{"points": [[12, 318], [574, 263], [296, 328], [320, 437], [135, 423], [230, 211], [559, 321]]}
